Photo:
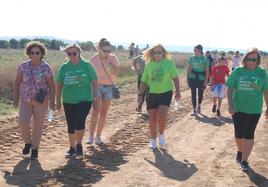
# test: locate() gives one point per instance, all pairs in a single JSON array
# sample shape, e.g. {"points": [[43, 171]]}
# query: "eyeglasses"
{"points": [[157, 52], [251, 59], [106, 51], [72, 54], [35, 53]]}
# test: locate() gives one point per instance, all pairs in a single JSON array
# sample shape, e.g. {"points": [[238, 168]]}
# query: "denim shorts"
{"points": [[105, 91], [219, 90]]}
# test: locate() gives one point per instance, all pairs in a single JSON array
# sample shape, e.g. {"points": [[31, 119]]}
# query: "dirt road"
{"points": [[200, 151]]}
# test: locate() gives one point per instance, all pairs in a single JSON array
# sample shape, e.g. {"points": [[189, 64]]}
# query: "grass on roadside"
{"points": [[6, 107]]}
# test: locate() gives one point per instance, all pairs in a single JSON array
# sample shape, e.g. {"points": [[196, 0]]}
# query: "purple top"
{"points": [[33, 79]]}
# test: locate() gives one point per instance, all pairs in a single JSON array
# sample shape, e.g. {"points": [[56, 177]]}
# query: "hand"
{"points": [[58, 105], [266, 114], [187, 81], [177, 96], [205, 84], [231, 110], [52, 105], [15, 103]]}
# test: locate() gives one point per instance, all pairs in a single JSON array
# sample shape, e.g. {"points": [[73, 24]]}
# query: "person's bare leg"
{"points": [[153, 123], [104, 107], [94, 119], [247, 148], [162, 113], [79, 134], [239, 143]]}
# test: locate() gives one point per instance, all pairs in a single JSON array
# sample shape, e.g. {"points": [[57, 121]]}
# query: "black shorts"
{"points": [[76, 115], [245, 124], [155, 100]]}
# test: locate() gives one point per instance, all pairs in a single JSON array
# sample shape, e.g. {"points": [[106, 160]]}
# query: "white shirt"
{"points": [[236, 61]]}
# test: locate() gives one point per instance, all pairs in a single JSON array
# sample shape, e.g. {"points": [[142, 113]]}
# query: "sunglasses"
{"points": [[72, 54], [157, 52], [106, 51], [251, 59], [35, 53]]}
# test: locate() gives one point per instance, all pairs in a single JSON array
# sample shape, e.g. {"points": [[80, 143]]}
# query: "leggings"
{"points": [[76, 115], [199, 85]]}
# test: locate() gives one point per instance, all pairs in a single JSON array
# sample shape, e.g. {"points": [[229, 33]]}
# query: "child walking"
{"points": [[218, 74]]}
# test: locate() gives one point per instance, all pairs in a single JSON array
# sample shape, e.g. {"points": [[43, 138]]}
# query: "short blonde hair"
{"points": [[248, 52], [148, 55]]}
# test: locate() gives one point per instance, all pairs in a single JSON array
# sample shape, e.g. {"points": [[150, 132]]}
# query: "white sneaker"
{"points": [[162, 141], [98, 140], [90, 140], [152, 144]]}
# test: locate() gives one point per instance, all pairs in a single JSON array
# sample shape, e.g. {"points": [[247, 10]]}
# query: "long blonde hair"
{"points": [[148, 55], [248, 52]]}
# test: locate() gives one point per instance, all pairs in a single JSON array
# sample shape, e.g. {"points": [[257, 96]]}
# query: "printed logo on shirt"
{"points": [[158, 75], [246, 83]]}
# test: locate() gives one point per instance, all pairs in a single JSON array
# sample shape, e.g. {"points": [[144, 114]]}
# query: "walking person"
{"points": [[218, 74], [159, 75], [107, 67], [77, 85], [139, 65], [197, 76], [33, 91], [236, 60], [246, 87]]}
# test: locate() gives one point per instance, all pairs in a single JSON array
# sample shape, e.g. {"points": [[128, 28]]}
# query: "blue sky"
{"points": [[213, 23]]}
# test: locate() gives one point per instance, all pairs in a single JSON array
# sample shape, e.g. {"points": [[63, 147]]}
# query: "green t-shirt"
{"points": [[248, 86], [159, 75], [199, 64], [76, 80]]}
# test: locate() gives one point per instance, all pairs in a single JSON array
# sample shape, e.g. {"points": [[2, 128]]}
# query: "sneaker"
{"points": [[70, 153], [198, 109], [90, 140], [194, 112], [98, 140], [152, 144], [214, 108], [218, 112], [244, 166], [34, 154], [238, 157], [162, 141], [79, 150], [26, 150]]}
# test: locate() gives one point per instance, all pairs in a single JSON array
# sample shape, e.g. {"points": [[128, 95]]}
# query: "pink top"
{"points": [[103, 78], [33, 79]]}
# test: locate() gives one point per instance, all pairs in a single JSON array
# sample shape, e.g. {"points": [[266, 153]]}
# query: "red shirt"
{"points": [[218, 73]]}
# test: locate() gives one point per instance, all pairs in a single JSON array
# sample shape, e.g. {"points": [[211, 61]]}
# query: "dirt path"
{"points": [[200, 152]]}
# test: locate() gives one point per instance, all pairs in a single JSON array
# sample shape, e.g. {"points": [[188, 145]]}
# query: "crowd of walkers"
{"points": [[82, 84]]}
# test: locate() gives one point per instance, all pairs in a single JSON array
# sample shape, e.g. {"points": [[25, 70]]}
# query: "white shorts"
{"points": [[219, 90]]}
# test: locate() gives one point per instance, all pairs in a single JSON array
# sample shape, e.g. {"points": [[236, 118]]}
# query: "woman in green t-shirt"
{"points": [[77, 85], [197, 76], [159, 75], [246, 87]]}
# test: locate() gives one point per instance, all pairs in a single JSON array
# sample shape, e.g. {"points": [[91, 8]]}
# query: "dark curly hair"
{"points": [[33, 44]]}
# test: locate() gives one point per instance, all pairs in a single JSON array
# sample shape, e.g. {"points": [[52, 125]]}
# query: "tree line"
{"points": [[50, 44]]}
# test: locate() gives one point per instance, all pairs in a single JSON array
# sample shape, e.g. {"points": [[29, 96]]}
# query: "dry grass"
{"points": [[10, 59]]}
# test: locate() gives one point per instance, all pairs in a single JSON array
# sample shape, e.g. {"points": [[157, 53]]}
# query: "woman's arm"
{"points": [[51, 86], [16, 89], [176, 82], [59, 87], [141, 92], [230, 100], [265, 95]]}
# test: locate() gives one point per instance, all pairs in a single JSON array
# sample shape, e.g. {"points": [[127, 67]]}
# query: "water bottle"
{"points": [[50, 115], [176, 105]]}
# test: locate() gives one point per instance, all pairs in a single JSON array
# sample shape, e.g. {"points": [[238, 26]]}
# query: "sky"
{"points": [[213, 23]]}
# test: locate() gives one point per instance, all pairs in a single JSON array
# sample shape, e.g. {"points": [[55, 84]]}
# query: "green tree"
{"points": [[86, 46], [120, 47], [3, 44], [55, 44], [23, 42], [13, 44]]}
